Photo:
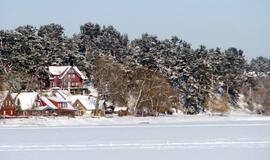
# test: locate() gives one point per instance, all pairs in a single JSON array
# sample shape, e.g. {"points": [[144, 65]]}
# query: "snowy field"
{"points": [[174, 137]]}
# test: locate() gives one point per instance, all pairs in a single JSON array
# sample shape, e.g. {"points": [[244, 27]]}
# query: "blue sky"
{"points": [[244, 24]]}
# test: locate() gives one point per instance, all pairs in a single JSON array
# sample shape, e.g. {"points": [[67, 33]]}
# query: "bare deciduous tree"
{"points": [[110, 81], [152, 91], [261, 95], [144, 91]]}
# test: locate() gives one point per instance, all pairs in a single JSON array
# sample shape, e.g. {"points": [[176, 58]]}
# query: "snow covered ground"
{"points": [[231, 137]]}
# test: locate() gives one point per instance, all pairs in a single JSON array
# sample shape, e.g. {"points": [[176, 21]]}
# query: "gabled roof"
{"points": [[57, 70], [62, 93], [57, 99], [61, 97], [44, 108], [89, 103], [27, 99], [63, 70], [79, 72], [49, 104]]}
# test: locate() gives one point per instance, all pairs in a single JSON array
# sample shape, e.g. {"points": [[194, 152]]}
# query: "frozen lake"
{"points": [[226, 140]]}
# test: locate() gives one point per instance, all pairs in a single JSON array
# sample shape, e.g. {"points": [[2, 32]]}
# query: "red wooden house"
{"points": [[67, 77], [59, 99], [7, 105], [32, 104]]}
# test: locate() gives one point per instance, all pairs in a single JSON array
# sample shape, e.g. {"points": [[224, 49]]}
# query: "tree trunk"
{"points": [[152, 106], [97, 105], [139, 98]]}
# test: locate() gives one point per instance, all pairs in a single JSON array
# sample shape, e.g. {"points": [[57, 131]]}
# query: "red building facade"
{"points": [[7, 105], [66, 77]]}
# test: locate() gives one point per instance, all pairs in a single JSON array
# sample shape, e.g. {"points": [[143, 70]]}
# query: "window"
{"points": [[71, 75], [11, 112], [73, 84], [4, 113]]}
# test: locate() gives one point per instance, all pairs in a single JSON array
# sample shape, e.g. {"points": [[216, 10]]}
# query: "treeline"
{"points": [[147, 74]]}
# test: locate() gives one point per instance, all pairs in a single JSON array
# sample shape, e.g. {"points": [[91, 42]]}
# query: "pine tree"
{"points": [[18, 107]]}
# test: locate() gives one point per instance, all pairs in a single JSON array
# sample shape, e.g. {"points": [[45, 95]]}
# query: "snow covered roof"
{"points": [[117, 109], [57, 99], [49, 104], [59, 95], [88, 102], [62, 93], [27, 99], [57, 70], [63, 70], [43, 108], [61, 100], [79, 72]]}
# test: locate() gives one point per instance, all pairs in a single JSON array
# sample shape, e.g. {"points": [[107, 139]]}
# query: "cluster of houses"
{"points": [[69, 95]]}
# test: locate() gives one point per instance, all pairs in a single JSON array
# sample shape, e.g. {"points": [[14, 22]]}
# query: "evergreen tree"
{"points": [[18, 107]]}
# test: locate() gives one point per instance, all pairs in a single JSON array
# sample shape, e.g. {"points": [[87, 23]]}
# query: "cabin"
{"points": [[7, 105], [32, 104], [85, 105], [67, 78]]}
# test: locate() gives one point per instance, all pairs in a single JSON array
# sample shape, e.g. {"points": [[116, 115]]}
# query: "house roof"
{"points": [[57, 70], [49, 104], [44, 108], [79, 72], [89, 103], [63, 70], [57, 99], [62, 97], [27, 99], [58, 95], [62, 94], [117, 109]]}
